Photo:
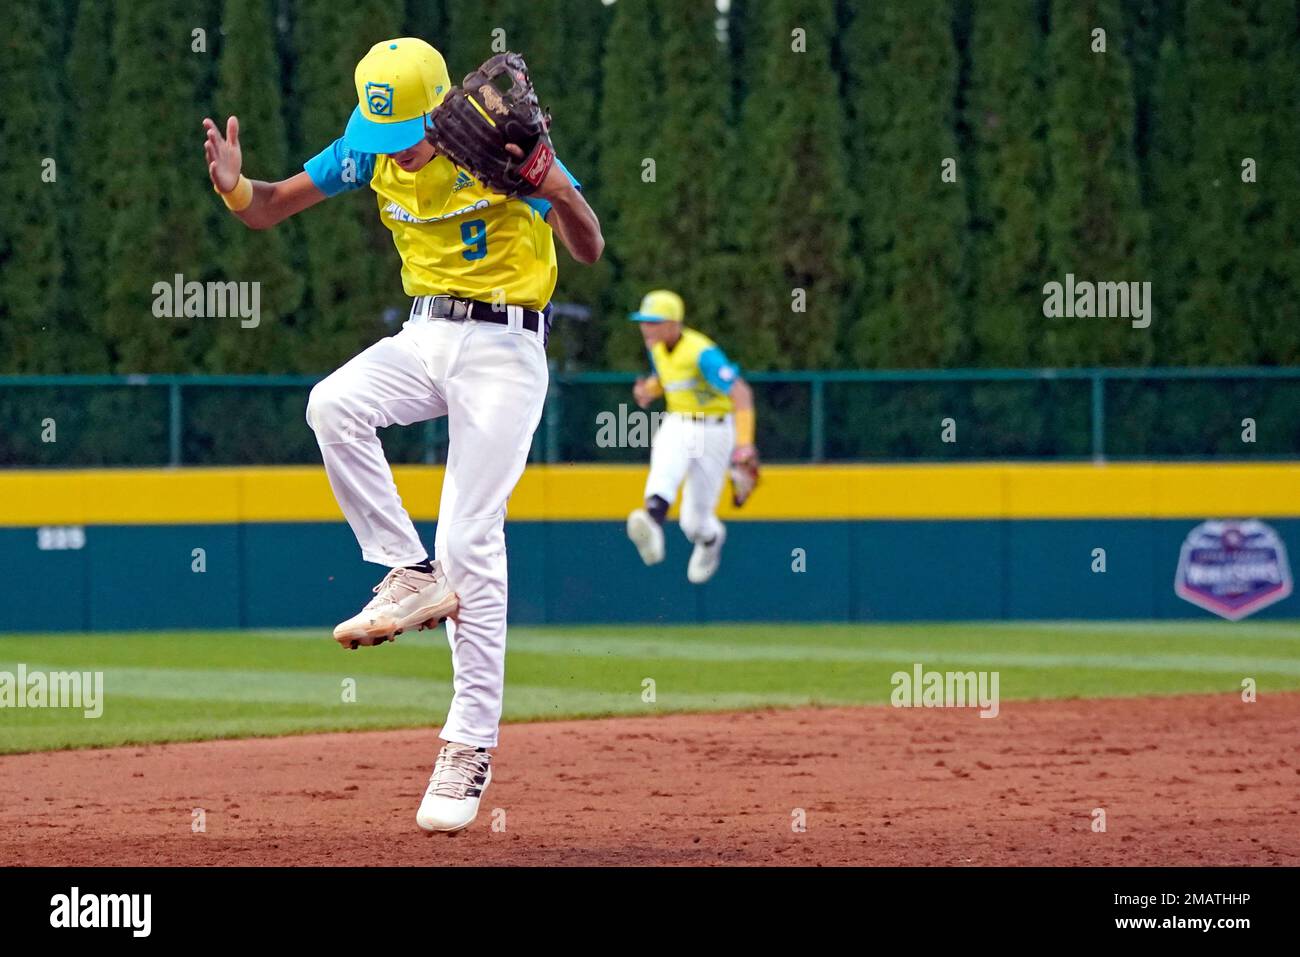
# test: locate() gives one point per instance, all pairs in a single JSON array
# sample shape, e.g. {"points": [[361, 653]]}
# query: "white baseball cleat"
{"points": [[460, 776], [705, 559], [406, 598], [647, 535]]}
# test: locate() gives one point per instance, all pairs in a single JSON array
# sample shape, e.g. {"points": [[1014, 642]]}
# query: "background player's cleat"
{"points": [[705, 559], [404, 599], [460, 776], [647, 535]]}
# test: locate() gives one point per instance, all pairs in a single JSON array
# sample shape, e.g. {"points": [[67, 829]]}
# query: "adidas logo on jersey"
{"points": [[463, 179]]}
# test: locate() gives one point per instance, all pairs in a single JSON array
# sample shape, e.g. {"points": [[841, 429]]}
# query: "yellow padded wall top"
{"points": [[608, 492]]}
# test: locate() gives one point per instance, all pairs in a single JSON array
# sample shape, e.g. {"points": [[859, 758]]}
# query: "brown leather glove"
{"points": [[744, 474]]}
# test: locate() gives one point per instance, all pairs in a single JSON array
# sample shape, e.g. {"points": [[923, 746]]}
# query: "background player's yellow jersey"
{"points": [[695, 374], [454, 235]]}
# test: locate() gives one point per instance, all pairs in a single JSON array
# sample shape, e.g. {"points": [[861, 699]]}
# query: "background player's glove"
{"points": [[744, 474], [494, 106]]}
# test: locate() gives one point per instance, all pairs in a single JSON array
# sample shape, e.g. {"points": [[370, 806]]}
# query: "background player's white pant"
{"points": [[490, 382], [698, 452]]}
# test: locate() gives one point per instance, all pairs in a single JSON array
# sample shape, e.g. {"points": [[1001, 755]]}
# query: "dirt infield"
{"points": [[1183, 780]]}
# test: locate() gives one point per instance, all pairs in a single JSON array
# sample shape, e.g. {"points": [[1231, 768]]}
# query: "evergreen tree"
{"points": [[31, 263], [161, 208], [1007, 182], [248, 86], [1274, 221], [352, 268], [90, 129], [774, 170], [791, 191], [476, 31], [743, 20], [693, 157], [1143, 32], [1212, 322], [1232, 294], [911, 222], [427, 20], [1172, 199], [631, 115], [562, 41], [1096, 225], [750, 266]]}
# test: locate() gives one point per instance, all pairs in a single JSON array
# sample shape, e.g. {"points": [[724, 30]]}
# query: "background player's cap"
{"points": [[660, 306], [398, 82]]}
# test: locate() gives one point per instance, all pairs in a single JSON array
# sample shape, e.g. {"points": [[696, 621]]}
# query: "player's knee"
{"points": [[328, 411], [699, 525], [657, 507], [320, 400], [471, 546]]}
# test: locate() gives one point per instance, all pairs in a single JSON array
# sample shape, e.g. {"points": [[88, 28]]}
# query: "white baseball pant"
{"points": [[698, 452], [490, 382]]}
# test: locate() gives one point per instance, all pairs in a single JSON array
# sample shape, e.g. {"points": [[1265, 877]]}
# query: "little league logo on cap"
{"points": [[379, 97], [1233, 568], [398, 82]]}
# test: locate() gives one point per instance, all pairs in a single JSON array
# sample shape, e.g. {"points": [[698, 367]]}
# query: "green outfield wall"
{"points": [[224, 548]]}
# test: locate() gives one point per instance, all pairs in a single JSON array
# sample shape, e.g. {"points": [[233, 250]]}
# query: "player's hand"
{"points": [[225, 158], [555, 182], [744, 474], [642, 393]]}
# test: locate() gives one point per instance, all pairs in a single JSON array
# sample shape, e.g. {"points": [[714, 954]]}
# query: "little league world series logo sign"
{"points": [[1233, 568]]}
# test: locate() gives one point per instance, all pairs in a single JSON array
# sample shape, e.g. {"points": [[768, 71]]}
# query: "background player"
{"points": [[709, 425], [463, 248]]}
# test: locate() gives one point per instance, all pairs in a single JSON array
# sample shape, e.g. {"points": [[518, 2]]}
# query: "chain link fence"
{"points": [[962, 415]]}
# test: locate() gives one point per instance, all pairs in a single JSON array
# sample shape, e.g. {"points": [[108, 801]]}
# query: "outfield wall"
{"points": [[115, 549]]}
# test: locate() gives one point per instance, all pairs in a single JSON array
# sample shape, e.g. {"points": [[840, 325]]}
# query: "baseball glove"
{"points": [[495, 106], [744, 475]]}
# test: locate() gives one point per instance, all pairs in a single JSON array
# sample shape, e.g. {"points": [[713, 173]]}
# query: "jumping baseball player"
{"points": [[478, 261], [709, 428]]}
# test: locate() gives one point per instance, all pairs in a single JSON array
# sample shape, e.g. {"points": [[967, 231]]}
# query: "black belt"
{"points": [[698, 417], [458, 310]]}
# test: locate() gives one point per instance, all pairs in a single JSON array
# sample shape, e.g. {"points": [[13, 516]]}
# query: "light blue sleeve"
{"points": [[337, 169], [720, 371], [541, 205]]}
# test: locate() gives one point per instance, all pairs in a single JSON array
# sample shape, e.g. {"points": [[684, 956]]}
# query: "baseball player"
{"points": [[480, 268], [709, 428]]}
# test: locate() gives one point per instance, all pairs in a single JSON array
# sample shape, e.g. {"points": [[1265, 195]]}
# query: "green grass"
{"points": [[173, 686]]}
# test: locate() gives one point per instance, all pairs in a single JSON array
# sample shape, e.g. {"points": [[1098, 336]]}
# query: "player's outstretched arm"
{"points": [[742, 399], [571, 216], [258, 204], [575, 222], [744, 457]]}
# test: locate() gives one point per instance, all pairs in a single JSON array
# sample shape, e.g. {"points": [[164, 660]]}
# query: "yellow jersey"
{"points": [[454, 235], [695, 374]]}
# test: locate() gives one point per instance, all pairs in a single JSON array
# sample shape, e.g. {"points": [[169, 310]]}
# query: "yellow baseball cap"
{"points": [[661, 305], [398, 82]]}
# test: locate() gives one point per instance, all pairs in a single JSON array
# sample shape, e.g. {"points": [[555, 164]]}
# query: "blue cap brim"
{"points": [[366, 136], [646, 317]]}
